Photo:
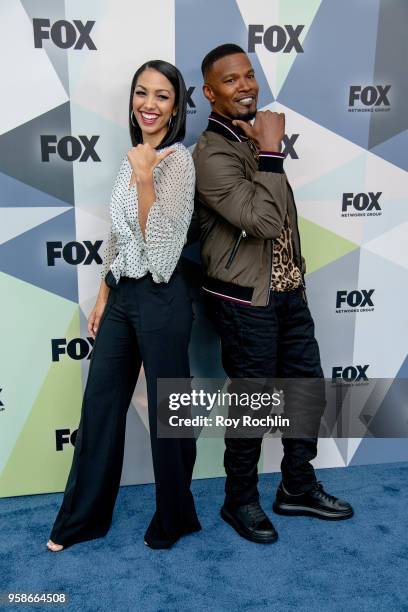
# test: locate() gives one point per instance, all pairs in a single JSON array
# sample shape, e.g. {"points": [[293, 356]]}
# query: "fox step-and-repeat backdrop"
{"points": [[338, 72]]}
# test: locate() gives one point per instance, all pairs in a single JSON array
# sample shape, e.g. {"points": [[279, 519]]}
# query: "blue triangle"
{"points": [[15, 193], [339, 51], [200, 26], [380, 450], [403, 371], [25, 257], [394, 150]]}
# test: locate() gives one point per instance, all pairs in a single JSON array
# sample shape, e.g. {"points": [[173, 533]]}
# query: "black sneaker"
{"points": [[315, 502], [251, 522]]}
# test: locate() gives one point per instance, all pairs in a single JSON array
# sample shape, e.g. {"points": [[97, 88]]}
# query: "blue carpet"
{"points": [[360, 564]]}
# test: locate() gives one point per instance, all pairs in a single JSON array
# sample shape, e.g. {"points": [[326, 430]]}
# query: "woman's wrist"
{"points": [[103, 293], [144, 177]]}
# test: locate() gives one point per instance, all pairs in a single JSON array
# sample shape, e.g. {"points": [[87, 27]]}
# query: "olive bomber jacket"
{"points": [[242, 203]]}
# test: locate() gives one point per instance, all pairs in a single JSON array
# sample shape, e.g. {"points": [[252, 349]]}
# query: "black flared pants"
{"points": [[149, 323]]}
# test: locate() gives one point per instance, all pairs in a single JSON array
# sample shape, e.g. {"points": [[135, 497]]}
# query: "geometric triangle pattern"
{"points": [[36, 256], [17, 193], [191, 49], [38, 152], [340, 79], [319, 82], [389, 64], [15, 221], [59, 61], [56, 405], [321, 245]]}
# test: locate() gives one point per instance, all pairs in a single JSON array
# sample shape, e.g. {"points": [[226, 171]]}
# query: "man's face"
{"points": [[231, 87]]}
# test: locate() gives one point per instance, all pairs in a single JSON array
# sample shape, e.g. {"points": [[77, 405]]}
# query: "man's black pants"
{"points": [[273, 341]]}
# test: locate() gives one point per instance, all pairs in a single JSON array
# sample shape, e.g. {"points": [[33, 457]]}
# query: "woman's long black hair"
{"points": [[177, 129]]}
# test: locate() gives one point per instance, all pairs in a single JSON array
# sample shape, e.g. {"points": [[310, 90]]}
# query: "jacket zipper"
{"points": [[270, 275], [235, 249], [297, 230]]}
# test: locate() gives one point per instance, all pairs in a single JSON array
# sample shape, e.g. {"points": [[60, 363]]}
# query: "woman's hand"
{"points": [[144, 158], [95, 317]]}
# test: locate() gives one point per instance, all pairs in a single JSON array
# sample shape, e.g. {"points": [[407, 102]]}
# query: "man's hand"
{"points": [[144, 158], [267, 131]]}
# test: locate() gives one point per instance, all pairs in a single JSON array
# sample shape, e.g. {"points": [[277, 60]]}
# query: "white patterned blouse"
{"points": [[127, 253]]}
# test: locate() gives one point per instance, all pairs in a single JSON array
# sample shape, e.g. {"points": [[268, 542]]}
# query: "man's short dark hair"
{"points": [[218, 53]]}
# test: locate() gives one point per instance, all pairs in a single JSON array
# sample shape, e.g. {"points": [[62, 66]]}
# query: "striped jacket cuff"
{"points": [[270, 161]]}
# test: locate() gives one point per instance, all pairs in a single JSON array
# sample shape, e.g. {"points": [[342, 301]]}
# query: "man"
{"points": [[254, 283]]}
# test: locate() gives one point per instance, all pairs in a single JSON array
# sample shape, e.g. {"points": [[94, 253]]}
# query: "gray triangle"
{"points": [[20, 154], [390, 69], [53, 10], [59, 59], [342, 445]]}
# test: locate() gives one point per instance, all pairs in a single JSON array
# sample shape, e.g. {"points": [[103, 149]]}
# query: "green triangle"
{"points": [[38, 315], [321, 246], [293, 12], [34, 466]]}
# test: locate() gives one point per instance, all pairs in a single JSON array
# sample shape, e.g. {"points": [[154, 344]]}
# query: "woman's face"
{"points": [[153, 105]]}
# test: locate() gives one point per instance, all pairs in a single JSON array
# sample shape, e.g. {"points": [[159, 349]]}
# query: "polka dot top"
{"points": [[127, 252]]}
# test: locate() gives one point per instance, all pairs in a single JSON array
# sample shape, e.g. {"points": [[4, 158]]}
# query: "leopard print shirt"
{"points": [[286, 276]]}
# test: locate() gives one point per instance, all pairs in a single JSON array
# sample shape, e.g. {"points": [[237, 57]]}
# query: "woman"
{"points": [[143, 314]]}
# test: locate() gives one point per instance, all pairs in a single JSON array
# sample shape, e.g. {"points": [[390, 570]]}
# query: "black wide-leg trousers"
{"points": [[267, 342], [149, 323]]}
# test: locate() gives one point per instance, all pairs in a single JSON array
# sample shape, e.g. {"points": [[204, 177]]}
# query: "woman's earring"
{"points": [[132, 114], [170, 121]]}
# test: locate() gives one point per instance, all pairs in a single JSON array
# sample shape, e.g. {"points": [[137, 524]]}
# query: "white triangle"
{"points": [[381, 173], [328, 454], [392, 245], [100, 80], [319, 150], [33, 84], [16, 221], [263, 11]]}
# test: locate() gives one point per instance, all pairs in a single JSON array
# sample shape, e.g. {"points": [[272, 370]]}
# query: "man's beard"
{"points": [[245, 116]]}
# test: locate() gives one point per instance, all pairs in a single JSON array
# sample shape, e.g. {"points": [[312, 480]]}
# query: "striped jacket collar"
{"points": [[221, 125]]}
